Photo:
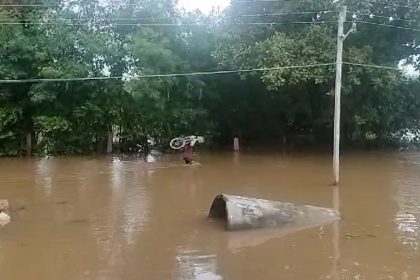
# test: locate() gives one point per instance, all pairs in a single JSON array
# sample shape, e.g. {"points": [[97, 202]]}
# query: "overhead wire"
{"points": [[174, 18], [223, 71], [97, 22], [205, 73], [285, 14], [166, 24], [277, 1], [372, 66], [232, 2], [27, 5], [118, 19], [389, 18], [45, 5], [386, 25]]}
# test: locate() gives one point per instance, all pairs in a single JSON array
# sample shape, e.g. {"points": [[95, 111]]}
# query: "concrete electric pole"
{"points": [[337, 109]]}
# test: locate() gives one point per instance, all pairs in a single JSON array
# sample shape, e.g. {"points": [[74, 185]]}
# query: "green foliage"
{"points": [[9, 118], [374, 100], [265, 106], [52, 134], [283, 50]]}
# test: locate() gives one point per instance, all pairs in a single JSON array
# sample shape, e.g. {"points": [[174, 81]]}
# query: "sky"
{"points": [[203, 5]]}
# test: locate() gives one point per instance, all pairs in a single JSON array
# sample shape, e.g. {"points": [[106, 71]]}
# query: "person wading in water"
{"points": [[188, 150], [187, 145]]}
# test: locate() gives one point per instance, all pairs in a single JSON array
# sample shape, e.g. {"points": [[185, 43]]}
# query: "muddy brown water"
{"points": [[109, 218]]}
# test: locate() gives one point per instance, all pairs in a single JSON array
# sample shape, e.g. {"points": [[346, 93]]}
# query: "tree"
{"points": [[124, 41], [314, 43]]}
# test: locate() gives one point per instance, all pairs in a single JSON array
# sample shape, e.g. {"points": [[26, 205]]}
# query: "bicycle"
{"points": [[180, 142]]}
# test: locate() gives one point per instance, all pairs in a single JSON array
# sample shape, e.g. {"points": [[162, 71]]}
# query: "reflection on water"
{"points": [[407, 218], [45, 169], [126, 219], [335, 274], [196, 266]]}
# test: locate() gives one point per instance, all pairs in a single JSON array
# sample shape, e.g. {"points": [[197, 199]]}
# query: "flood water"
{"points": [[109, 218]]}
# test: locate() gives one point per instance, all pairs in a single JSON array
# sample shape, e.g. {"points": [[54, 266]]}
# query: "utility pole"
{"points": [[337, 107]]}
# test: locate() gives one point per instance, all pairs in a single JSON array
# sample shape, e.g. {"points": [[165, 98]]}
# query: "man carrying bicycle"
{"points": [[188, 150], [187, 145]]}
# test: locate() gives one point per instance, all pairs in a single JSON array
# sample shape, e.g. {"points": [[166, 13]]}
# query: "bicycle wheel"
{"points": [[177, 143]]}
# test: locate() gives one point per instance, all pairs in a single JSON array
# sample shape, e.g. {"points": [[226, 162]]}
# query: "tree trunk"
{"points": [[29, 144], [109, 142]]}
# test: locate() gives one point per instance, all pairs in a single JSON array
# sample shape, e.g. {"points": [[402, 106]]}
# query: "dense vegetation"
{"points": [[86, 38]]}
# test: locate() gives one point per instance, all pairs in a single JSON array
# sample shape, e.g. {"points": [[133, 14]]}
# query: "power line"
{"points": [[207, 73], [372, 66], [167, 24], [27, 5], [390, 18], [388, 25], [285, 14], [277, 1], [175, 18], [232, 3]]}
